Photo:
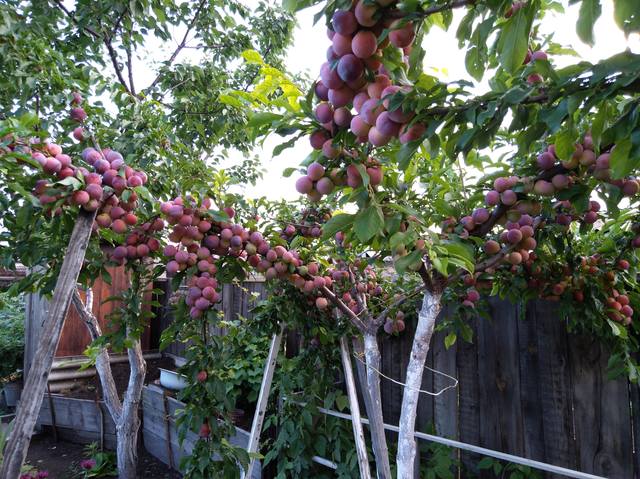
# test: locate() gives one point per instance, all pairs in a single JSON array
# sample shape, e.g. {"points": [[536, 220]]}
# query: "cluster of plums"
{"points": [[319, 182], [103, 183], [309, 225], [140, 243]]}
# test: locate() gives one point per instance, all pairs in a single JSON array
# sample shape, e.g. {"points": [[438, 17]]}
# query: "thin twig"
{"points": [[383, 315], [130, 67], [182, 44]]}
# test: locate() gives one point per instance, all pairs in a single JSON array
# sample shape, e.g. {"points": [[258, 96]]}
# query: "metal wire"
{"points": [[451, 386]]}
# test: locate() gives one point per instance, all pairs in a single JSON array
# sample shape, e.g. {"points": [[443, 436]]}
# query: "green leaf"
{"points": [[252, 56], [336, 223], [590, 10], [621, 164], [263, 118], [368, 223], [450, 340], [627, 15], [565, 144], [462, 252], [342, 402], [406, 262], [363, 173], [288, 172], [514, 39]]}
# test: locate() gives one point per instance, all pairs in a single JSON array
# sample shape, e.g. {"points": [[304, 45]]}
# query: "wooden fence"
{"points": [[74, 337], [526, 387]]}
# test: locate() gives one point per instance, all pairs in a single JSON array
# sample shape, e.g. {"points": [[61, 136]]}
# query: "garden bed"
{"points": [[61, 459], [160, 433]]}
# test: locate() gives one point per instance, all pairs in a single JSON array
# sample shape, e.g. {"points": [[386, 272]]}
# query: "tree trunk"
{"points": [[406, 441], [124, 414], [129, 424], [103, 365], [36, 384], [376, 419]]}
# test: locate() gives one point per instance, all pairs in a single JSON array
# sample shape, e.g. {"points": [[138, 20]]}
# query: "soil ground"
{"points": [[61, 459]]}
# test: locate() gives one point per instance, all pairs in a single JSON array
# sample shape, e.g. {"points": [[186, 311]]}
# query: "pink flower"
{"points": [[88, 464], [42, 475]]}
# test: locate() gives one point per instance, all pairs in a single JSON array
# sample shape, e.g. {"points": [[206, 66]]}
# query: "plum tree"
{"points": [[404, 176]]}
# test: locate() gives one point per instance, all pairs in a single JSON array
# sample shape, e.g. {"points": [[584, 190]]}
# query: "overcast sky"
{"points": [[443, 59]]}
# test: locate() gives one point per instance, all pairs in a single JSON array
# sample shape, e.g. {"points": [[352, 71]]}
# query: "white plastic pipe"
{"points": [[543, 466]]}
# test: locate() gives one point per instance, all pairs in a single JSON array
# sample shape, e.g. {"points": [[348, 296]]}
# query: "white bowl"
{"points": [[172, 380]]}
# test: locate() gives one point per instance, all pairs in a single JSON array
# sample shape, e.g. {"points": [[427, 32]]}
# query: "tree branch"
{"points": [[436, 9], [130, 68], [353, 317], [182, 44], [69, 14]]}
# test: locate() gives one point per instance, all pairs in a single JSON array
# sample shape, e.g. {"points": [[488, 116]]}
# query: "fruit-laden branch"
{"points": [[494, 259], [353, 317], [500, 210], [379, 320]]}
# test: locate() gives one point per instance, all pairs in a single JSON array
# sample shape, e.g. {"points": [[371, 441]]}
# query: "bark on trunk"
{"points": [[406, 441], [36, 384], [376, 419], [129, 424], [125, 413], [103, 365]]}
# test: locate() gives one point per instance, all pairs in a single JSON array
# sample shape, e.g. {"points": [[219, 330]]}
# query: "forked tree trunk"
{"points": [[125, 413], [405, 458], [374, 412], [36, 384]]}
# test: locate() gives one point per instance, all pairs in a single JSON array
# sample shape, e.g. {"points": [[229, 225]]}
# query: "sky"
{"points": [[443, 59]]}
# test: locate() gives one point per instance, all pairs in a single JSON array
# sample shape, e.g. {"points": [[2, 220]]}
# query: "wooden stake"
{"points": [[263, 399], [36, 384], [358, 433]]}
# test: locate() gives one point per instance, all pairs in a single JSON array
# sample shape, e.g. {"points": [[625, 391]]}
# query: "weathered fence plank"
{"points": [[555, 385], [500, 424], [468, 396], [603, 420], [530, 397], [445, 406]]}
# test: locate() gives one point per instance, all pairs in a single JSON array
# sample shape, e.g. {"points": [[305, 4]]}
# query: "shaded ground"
{"points": [[61, 460]]}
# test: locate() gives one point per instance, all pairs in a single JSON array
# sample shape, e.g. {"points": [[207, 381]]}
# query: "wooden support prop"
{"points": [[263, 399], [36, 384], [358, 433]]}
